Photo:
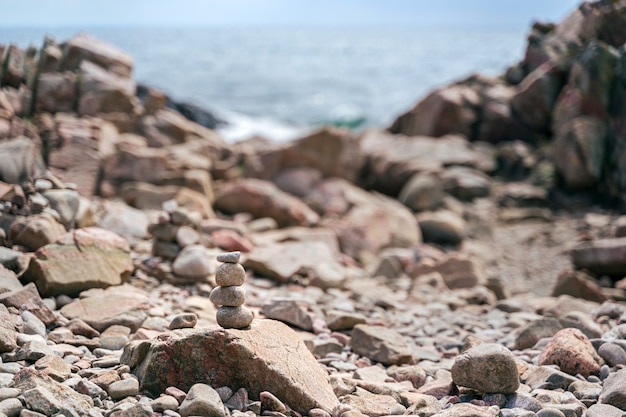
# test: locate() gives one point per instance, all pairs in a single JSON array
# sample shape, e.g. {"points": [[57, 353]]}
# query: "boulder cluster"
{"points": [[457, 264], [568, 90]]}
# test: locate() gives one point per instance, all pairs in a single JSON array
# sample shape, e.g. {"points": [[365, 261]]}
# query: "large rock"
{"points": [[126, 221], [589, 86], [572, 352], [536, 330], [146, 196], [267, 357], [466, 183], [451, 109], [313, 259], [20, 159], [579, 151], [477, 107], [76, 156], [487, 368], [168, 127], [33, 232], [194, 262], [56, 92], [28, 299], [66, 203], [604, 256], [364, 221], [613, 392], [580, 285], [123, 305], [457, 270], [537, 95], [334, 152], [86, 47], [82, 259], [14, 66], [443, 226], [382, 344], [8, 280], [423, 191], [263, 199], [62, 399], [393, 160], [548, 378], [588, 121], [102, 91]]}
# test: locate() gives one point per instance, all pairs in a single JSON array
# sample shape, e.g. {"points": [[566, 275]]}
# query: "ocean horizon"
{"points": [[281, 83]]}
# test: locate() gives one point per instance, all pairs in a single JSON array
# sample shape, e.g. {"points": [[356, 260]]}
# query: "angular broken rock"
{"points": [[267, 357], [572, 351], [116, 305], [381, 344], [83, 259], [604, 256], [64, 399], [488, 368]]}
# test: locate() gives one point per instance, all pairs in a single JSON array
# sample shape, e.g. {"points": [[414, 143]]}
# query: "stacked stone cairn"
{"points": [[229, 294]]}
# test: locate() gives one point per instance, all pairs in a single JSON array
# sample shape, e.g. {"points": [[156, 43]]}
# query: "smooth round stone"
{"points": [[232, 296], [234, 317], [186, 236], [183, 321], [229, 274], [164, 402], [193, 261], [550, 412], [613, 354], [124, 388], [42, 184], [229, 257]]}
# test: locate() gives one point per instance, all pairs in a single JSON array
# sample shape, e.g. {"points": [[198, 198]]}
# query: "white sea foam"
{"points": [[240, 127]]}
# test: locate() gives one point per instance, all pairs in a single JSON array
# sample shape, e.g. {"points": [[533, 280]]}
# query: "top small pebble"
{"points": [[229, 257]]}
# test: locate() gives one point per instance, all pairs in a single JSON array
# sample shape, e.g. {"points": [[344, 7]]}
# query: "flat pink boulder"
{"points": [[269, 356]]}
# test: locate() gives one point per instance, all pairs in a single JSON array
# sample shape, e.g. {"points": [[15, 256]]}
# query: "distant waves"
{"points": [[279, 83]]}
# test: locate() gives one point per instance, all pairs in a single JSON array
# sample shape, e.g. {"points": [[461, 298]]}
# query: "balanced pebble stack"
{"points": [[229, 294]]}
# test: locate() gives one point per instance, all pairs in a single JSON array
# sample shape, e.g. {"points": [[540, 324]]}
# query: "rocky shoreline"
{"points": [[459, 264]]}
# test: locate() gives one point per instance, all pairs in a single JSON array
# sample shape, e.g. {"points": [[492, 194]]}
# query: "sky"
{"points": [[514, 14]]}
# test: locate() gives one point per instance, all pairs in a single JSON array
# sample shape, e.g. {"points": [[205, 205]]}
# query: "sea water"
{"points": [[280, 83]]}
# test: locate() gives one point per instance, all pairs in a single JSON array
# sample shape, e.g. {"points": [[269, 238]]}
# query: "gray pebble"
{"points": [[202, 400], [234, 317], [232, 296], [550, 412], [10, 368], [124, 388], [11, 406], [604, 410], [271, 403], [605, 371], [183, 321], [5, 379], [612, 354], [229, 257], [516, 412], [9, 393], [224, 392], [164, 402], [229, 274], [32, 324]]}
